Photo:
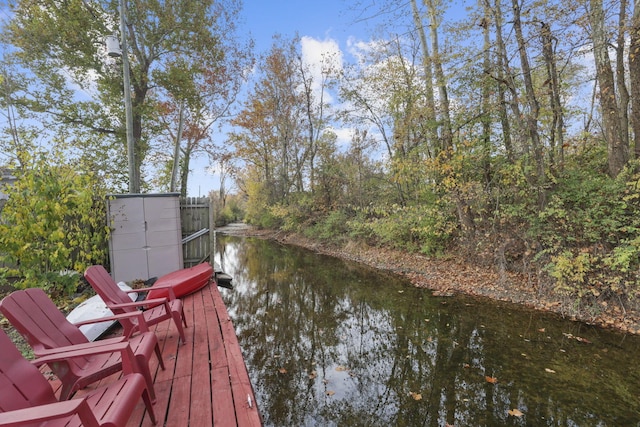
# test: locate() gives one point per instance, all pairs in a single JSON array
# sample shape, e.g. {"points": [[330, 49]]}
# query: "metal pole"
{"points": [[134, 182]]}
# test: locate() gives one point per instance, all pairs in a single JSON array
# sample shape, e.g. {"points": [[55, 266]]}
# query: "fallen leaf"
{"points": [[313, 375], [551, 371], [416, 396], [491, 380], [282, 371], [330, 393], [341, 368], [579, 339], [516, 412], [541, 330]]}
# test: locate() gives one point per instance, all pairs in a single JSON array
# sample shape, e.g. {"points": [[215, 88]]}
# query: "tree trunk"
{"points": [[486, 99], [616, 149], [184, 171], [176, 151], [557, 123], [447, 135], [623, 93], [532, 104], [430, 109], [634, 75], [505, 79]]}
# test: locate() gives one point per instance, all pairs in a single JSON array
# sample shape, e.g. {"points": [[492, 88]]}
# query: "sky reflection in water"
{"points": [[332, 343]]}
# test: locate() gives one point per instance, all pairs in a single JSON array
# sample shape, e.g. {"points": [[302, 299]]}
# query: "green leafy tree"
{"points": [[80, 88], [53, 224]]}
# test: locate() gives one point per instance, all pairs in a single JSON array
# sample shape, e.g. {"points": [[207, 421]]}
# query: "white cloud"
{"points": [[320, 56], [344, 136], [362, 50], [316, 51]]}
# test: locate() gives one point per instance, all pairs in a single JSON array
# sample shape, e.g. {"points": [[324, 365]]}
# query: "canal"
{"points": [[333, 343]]}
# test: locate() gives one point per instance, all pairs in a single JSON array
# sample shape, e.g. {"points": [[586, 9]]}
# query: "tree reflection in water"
{"points": [[332, 343]]}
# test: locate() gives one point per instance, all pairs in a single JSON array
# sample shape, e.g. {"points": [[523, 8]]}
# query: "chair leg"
{"points": [[146, 397], [178, 322], [143, 368], [67, 390], [184, 319], [159, 355]]}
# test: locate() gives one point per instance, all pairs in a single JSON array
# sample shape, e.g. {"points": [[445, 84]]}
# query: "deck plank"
{"points": [[201, 412], [184, 356], [243, 395], [205, 381], [178, 414], [222, 398]]}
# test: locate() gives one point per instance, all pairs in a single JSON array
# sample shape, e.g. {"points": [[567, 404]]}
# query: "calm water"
{"points": [[332, 343]]}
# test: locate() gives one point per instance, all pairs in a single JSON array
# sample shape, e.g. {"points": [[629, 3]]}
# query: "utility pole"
{"points": [[134, 178]]}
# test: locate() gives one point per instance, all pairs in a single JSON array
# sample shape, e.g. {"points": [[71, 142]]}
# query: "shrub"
{"points": [[333, 227], [589, 232], [426, 229], [53, 224]]}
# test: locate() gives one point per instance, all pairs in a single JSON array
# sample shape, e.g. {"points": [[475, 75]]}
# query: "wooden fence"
{"points": [[196, 219]]}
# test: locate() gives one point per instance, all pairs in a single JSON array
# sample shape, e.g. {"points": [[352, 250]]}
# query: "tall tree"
{"points": [[634, 75], [283, 120], [430, 103], [533, 105], [317, 114], [556, 131], [611, 115], [206, 100], [61, 45], [435, 12]]}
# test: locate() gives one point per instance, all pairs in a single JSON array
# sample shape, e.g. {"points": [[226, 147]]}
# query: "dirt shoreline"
{"points": [[453, 275]]}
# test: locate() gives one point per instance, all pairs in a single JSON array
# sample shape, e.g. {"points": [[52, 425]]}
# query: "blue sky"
{"points": [[329, 25], [327, 22], [323, 25], [313, 18]]}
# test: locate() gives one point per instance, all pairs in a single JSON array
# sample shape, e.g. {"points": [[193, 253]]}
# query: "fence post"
{"points": [[212, 231]]}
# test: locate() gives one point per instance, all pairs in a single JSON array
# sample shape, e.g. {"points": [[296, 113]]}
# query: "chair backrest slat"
{"points": [[22, 385], [40, 322], [108, 290]]}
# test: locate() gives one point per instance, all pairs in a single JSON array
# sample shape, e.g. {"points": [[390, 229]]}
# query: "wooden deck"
{"points": [[205, 382]]}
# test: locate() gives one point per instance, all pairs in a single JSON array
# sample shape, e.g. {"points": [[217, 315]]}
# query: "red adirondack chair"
{"points": [[26, 398], [48, 331], [157, 309]]}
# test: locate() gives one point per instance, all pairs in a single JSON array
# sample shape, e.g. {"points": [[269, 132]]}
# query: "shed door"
{"points": [[146, 237]]}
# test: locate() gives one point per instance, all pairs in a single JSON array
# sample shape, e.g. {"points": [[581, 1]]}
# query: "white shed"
{"points": [[146, 235]]}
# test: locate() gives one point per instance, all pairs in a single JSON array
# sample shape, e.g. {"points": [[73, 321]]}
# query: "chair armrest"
{"points": [[50, 411], [141, 321], [143, 303], [156, 287], [88, 345], [146, 304], [45, 352], [129, 364]]}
